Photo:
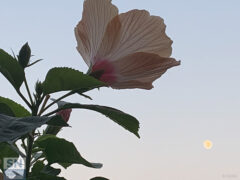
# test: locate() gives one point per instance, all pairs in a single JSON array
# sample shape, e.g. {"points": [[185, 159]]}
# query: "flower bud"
{"points": [[24, 55], [39, 88], [65, 114]]}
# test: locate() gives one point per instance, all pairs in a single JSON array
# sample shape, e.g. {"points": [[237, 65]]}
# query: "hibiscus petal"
{"points": [[132, 85], [90, 30], [140, 69], [139, 32]]}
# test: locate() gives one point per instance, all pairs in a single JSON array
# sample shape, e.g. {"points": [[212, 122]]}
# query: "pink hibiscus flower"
{"points": [[128, 50]]}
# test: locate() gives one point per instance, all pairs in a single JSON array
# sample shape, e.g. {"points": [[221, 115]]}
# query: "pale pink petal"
{"points": [[140, 69], [90, 30], [110, 40], [135, 31], [132, 85]]}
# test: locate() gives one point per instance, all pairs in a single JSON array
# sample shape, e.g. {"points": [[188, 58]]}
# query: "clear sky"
{"points": [[196, 101]]}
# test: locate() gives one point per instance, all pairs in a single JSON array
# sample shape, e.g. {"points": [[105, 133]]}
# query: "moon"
{"points": [[207, 144]]}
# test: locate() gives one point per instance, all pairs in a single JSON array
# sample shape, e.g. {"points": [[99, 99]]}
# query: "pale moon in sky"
{"points": [[207, 144]]}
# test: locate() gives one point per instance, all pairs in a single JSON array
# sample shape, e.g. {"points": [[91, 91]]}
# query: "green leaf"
{"points": [[99, 178], [45, 177], [40, 168], [12, 128], [37, 167], [10, 68], [55, 125], [54, 130], [17, 109], [67, 79], [51, 171], [4, 109], [38, 173], [58, 150], [127, 121], [6, 151]]}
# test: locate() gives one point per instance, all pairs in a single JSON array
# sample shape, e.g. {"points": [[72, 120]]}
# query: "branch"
{"points": [[59, 99], [29, 153], [17, 150], [44, 104], [23, 98], [28, 91]]}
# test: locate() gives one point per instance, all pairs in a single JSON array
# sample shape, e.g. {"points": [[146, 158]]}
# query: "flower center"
{"points": [[104, 71]]}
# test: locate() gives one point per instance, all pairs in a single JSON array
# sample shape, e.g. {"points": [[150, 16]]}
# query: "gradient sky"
{"points": [[196, 101]]}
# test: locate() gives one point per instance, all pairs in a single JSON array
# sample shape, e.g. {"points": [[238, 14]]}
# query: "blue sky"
{"points": [[196, 101]]}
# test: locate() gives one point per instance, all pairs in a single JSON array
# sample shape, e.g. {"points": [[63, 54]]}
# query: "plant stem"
{"points": [[24, 99], [29, 153], [17, 150], [28, 91], [59, 99], [31, 135], [44, 104], [24, 146], [53, 112], [30, 145]]}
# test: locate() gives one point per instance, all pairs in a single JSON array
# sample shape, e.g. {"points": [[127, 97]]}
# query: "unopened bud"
{"points": [[65, 114], [24, 55], [39, 88]]}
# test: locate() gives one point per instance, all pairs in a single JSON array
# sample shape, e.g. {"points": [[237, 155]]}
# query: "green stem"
{"points": [[28, 91], [24, 99], [17, 150], [31, 136], [24, 146], [29, 153], [53, 112], [44, 104], [59, 99], [30, 145]]}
